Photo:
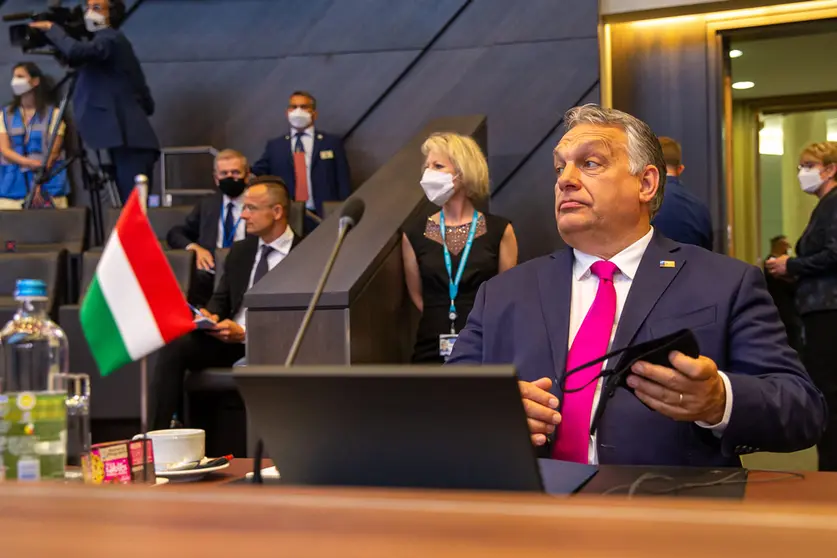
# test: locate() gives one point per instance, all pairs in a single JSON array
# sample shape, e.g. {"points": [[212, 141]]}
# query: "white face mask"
{"points": [[299, 118], [809, 180], [21, 85], [437, 186], [94, 21]]}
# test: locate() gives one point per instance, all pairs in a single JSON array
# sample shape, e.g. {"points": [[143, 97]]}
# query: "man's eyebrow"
{"points": [[587, 147]]}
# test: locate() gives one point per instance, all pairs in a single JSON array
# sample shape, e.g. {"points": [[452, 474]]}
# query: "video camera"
{"points": [[31, 40]]}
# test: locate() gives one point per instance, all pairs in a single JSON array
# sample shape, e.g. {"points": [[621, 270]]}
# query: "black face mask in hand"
{"points": [[232, 187], [655, 351]]}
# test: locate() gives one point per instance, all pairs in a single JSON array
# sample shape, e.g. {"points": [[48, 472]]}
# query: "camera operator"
{"points": [[111, 101]]}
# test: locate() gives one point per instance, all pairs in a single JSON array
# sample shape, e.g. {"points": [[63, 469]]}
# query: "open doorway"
{"points": [[784, 97]]}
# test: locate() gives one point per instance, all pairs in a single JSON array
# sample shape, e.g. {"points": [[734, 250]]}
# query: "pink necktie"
{"points": [[573, 434]]}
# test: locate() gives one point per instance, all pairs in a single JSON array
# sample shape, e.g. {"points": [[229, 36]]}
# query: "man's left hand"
{"points": [[228, 331], [42, 25], [691, 390], [778, 266]]}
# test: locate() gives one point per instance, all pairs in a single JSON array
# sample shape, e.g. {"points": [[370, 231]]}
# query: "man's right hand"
{"points": [[207, 314], [540, 407], [203, 258]]}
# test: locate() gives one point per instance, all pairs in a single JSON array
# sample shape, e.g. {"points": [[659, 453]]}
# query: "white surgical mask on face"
{"points": [[437, 186], [21, 85], [809, 180], [94, 21], [299, 118]]}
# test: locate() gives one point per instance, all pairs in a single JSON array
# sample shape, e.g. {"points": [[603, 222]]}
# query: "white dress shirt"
{"points": [[584, 288], [281, 248], [308, 145], [238, 204]]}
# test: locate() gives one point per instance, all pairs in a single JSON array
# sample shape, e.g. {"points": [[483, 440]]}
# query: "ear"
{"points": [[215, 177], [35, 82], [830, 171], [649, 183], [681, 169], [278, 212]]}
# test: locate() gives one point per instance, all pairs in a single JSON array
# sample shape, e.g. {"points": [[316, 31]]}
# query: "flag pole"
{"points": [[144, 395]]}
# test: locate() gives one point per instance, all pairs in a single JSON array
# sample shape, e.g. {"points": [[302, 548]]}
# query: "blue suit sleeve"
{"points": [[262, 166], [99, 49], [775, 405], [344, 180], [468, 346]]}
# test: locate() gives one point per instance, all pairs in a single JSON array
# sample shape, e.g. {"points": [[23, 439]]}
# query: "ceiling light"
{"points": [[735, 53], [743, 85]]}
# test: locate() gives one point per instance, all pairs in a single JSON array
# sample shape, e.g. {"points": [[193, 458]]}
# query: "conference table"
{"points": [[218, 517]]}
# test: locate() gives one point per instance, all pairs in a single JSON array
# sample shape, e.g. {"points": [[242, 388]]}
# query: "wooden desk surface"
{"points": [[178, 521]]}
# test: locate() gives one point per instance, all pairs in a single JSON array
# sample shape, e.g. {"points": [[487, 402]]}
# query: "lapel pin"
{"points": [[287, 137], [319, 136], [667, 263]]}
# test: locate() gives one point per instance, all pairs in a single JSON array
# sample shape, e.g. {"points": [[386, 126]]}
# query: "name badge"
{"points": [[327, 154], [446, 341]]}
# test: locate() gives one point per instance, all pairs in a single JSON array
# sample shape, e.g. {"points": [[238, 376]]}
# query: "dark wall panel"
{"points": [[530, 193], [661, 75]]}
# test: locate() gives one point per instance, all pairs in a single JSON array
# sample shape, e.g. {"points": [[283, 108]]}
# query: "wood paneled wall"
{"points": [[221, 72]]}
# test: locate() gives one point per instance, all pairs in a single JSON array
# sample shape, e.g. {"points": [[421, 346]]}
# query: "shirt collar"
{"points": [[282, 244], [235, 201], [309, 131], [627, 260]]}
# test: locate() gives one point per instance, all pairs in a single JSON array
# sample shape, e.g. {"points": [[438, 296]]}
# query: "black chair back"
{"points": [[296, 217], [182, 263], [162, 219], [45, 230], [220, 258]]}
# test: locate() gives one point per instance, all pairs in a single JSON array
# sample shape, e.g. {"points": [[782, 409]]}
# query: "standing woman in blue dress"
{"points": [[448, 255], [24, 132]]}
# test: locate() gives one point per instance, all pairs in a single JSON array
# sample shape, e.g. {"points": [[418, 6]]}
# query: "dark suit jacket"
{"points": [[683, 217], [228, 296], [522, 317], [815, 264], [111, 101], [201, 225], [330, 180]]}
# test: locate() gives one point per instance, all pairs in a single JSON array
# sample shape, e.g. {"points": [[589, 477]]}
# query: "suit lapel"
{"points": [[651, 281], [212, 218], [315, 148], [555, 290], [249, 249]]}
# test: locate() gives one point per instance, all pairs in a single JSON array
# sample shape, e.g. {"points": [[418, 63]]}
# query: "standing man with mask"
{"points": [[111, 101], [313, 163], [215, 222]]}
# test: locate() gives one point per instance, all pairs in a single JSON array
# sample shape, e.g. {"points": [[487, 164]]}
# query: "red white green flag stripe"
{"points": [[134, 304]]}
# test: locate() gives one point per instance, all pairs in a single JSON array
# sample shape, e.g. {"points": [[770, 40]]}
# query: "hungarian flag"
{"points": [[133, 305]]}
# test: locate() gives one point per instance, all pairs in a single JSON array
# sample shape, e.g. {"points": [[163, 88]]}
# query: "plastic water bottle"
{"points": [[33, 389]]}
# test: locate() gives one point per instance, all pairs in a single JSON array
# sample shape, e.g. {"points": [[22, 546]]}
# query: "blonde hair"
{"points": [[467, 159], [824, 151], [227, 154]]}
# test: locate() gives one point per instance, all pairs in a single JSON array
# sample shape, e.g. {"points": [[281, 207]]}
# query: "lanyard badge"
{"points": [[453, 281]]}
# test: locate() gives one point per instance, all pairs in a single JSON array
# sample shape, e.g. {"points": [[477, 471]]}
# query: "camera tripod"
{"points": [[97, 180]]}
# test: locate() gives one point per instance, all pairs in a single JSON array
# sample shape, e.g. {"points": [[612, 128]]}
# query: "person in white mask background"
{"points": [[448, 255], [25, 128], [814, 268], [312, 162], [111, 101]]}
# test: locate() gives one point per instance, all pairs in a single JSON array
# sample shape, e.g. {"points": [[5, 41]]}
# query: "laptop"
{"points": [[459, 427]]}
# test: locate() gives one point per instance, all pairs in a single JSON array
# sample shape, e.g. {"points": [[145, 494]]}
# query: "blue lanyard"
{"points": [[453, 284], [230, 236]]}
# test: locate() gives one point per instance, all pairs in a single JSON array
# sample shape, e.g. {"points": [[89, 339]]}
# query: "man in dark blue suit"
{"points": [[682, 217], [313, 163], [620, 282], [111, 101]]}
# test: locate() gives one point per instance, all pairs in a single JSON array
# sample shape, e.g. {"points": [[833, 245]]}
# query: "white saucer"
{"points": [[160, 481], [190, 475]]}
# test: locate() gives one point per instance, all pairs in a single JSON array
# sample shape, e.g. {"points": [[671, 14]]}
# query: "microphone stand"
{"points": [[343, 230]]}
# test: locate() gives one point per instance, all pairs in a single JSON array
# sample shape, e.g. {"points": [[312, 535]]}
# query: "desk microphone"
{"points": [[350, 216]]}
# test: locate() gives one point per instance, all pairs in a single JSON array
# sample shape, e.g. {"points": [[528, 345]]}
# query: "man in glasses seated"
{"points": [[618, 284]]}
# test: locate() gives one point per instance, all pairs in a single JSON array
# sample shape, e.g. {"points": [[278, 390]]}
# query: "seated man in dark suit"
{"points": [[621, 282], [311, 162], [682, 217], [111, 101], [215, 222], [269, 241]]}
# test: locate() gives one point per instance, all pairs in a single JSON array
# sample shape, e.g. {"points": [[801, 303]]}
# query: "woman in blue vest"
{"points": [[24, 133]]}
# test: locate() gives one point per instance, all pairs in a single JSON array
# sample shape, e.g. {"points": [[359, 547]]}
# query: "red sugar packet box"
{"points": [[119, 462]]}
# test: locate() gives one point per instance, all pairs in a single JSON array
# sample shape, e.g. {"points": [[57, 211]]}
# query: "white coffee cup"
{"points": [[176, 446]]}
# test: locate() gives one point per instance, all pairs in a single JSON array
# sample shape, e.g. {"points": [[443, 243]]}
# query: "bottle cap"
{"points": [[30, 288]]}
